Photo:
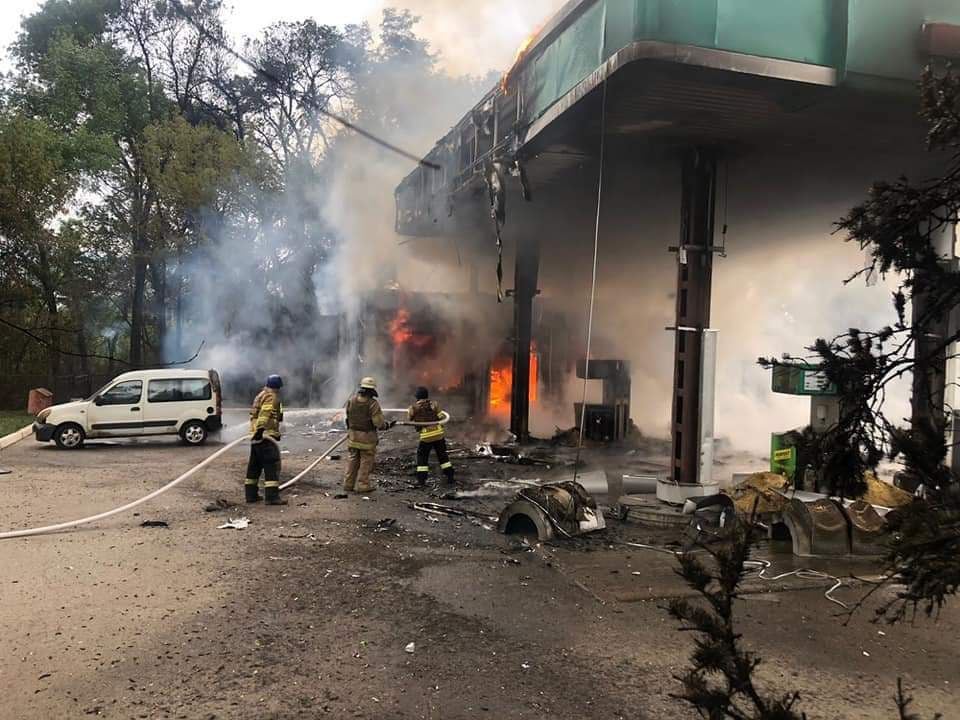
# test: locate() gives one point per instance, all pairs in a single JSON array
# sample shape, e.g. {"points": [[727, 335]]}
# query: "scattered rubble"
{"points": [[218, 505], [234, 524]]}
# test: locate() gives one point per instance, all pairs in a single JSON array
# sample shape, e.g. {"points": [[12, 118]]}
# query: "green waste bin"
{"points": [[783, 454]]}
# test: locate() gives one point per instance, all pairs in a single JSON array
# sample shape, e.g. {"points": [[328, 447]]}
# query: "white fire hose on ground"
{"points": [[445, 418]]}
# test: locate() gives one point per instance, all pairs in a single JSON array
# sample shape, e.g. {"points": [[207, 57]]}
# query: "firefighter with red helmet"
{"points": [[432, 439]]}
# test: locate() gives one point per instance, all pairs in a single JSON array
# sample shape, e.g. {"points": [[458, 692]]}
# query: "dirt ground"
{"points": [[307, 612]]}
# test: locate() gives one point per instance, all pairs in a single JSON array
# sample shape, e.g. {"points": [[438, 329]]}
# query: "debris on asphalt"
{"points": [[218, 505], [5, 471], [340, 496], [154, 523], [234, 524], [506, 454], [410, 648], [437, 509]]}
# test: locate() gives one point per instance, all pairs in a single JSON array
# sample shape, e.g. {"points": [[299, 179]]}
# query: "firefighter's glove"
{"points": [[258, 435]]}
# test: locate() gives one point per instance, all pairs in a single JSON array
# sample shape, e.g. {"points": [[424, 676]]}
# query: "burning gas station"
{"points": [[623, 118], [554, 427]]}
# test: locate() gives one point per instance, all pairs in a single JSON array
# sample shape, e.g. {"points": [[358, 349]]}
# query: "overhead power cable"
{"points": [[308, 103]]}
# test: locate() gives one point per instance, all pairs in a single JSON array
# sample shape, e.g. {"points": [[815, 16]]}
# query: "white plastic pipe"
{"points": [[444, 419], [128, 506]]}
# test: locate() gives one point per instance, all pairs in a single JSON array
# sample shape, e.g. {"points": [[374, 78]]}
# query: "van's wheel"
{"points": [[194, 432], [69, 436]]}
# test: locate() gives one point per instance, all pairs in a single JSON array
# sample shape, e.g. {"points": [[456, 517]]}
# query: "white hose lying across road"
{"points": [[312, 465], [444, 419], [128, 506]]}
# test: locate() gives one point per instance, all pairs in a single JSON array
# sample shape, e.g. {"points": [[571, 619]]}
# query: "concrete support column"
{"points": [[526, 273], [694, 279]]}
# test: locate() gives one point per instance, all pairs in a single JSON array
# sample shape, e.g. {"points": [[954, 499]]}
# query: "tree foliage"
{"points": [[904, 226], [133, 145]]}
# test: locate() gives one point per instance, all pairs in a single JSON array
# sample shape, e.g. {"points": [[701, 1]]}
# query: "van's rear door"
{"points": [[172, 401]]}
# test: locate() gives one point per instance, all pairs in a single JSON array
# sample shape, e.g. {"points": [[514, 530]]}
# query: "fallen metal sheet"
{"points": [[869, 532], [818, 528], [553, 510]]}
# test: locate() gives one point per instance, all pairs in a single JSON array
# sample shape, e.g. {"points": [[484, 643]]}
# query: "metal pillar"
{"points": [[928, 411], [694, 278], [524, 291]]}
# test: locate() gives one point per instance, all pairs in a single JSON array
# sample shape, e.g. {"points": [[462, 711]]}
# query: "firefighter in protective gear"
{"points": [[431, 436], [364, 417], [266, 414]]}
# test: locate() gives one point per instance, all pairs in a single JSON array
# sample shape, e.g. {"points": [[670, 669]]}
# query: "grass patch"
{"points": [[11, 421]]}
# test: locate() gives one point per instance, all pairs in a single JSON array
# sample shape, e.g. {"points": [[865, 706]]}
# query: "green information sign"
{"points": [[800, 379]]}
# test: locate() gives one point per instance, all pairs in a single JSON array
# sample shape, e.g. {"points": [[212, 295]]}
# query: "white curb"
{"points": [[15, 437]]}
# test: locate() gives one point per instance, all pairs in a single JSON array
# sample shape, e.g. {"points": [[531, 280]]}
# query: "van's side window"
{"points": [[178, 390], [125, 393]]}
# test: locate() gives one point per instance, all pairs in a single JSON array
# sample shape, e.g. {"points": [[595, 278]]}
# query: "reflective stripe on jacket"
{"points": [[364, 418], [426, 411], [266, 413]]}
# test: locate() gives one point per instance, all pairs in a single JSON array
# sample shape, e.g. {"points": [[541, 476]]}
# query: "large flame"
{"points": [[521, 53], [501, 385], [415, 354], [400, 330]]}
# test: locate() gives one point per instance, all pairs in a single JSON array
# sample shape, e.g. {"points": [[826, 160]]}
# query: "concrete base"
{"points": [[647, 510]]}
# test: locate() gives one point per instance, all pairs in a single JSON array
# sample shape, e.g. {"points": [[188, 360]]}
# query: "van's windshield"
{"points": [[100, 391]]}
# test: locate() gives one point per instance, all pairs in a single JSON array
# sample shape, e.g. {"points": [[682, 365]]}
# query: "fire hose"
{"points": [[445, 418]]}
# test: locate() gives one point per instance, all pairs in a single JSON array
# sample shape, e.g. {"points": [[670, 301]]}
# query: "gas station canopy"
{"points": [[724, 72]]}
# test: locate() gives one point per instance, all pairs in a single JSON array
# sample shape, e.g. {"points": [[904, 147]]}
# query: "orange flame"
{"points": [[501, 385], [521, 53], [400, 330]]}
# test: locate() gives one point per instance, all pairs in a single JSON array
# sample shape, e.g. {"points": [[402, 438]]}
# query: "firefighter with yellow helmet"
{"points": [[266, 414], [432, 439], [364, 418]]}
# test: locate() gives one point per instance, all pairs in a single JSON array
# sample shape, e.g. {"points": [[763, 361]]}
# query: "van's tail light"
{"points": [[215, 382]]}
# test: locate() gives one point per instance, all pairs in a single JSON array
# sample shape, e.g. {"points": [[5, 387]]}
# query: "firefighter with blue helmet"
{"points": [[266, 414]]}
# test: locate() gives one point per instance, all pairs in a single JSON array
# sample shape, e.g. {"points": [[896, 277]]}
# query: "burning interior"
{"points": [[459, 345]]}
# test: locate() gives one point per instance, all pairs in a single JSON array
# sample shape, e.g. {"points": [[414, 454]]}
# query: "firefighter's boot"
{"points": [[251, 492], [272, 496], [423, 473]]}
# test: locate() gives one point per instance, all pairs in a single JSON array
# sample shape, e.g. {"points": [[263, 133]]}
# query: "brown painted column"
{"points": [[524, 291], [694, 279]]}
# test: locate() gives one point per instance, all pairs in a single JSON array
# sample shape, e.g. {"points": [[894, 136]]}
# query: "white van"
{"points": [[144, 402]]}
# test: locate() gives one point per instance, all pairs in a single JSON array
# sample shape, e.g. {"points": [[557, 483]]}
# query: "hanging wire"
{"points": [[593, 281], [316, 107], [726, 201]]}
